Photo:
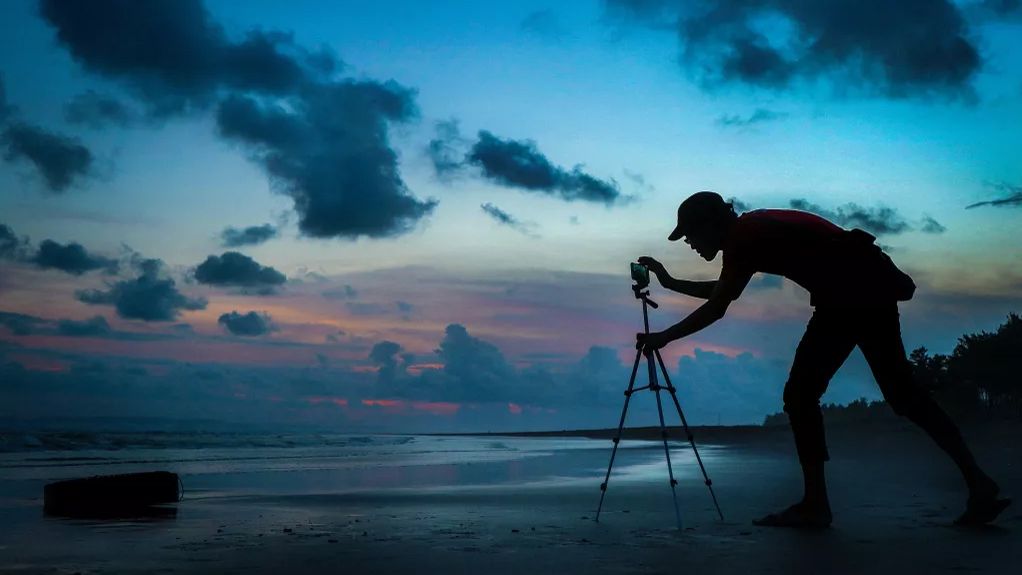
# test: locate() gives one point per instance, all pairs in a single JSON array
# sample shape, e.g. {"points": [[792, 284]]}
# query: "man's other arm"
{"points": [[726, 289], [699, 289]]}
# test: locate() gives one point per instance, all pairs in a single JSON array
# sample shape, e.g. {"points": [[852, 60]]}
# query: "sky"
{"points": [[408, 216]]}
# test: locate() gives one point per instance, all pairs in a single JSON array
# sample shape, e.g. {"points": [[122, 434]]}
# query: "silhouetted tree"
{"points": [[958, 397], [992, 361]]}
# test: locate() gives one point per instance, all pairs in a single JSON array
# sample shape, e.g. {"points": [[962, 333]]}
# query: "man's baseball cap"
{"points": [[696, 209]]}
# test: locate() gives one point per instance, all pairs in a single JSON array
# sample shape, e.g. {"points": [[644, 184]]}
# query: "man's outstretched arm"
{"points": [[726, 289]]}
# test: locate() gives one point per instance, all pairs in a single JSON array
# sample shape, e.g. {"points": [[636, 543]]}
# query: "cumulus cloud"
{"points": [[322, 141], [95, 326], [238, 270], [250, 236], [71, 258], [389, 364], [250, 324], [474, 369], [506, 219], [97, 110], [878, 221], [147, 297], [60, 160], [759, 116], [1012, 197], [738, 389], [773, 44]]}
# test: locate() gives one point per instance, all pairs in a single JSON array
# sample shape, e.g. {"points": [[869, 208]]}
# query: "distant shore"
{"points": [[760, 434]]}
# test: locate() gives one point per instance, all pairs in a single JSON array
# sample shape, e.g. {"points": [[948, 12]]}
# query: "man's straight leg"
{"points": [[882, 346]]}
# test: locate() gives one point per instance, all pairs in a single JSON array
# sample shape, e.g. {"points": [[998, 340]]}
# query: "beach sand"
{"points": [[894, 496]]}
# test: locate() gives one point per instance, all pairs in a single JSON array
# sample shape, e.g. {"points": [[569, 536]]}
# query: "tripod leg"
{"points": [[663, 434], [691, 439], [617, 438]]}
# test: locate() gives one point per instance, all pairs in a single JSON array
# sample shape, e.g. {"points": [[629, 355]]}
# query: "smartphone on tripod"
{"points": [[640, 275]]}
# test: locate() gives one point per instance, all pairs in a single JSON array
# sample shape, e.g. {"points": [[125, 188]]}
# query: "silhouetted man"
{"points": [[855, 289]]}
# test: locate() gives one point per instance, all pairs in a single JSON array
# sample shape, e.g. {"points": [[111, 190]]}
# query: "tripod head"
{"points": [[643, 295]]}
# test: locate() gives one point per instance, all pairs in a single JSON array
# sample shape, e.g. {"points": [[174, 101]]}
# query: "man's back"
{"points": [[831, 263]]}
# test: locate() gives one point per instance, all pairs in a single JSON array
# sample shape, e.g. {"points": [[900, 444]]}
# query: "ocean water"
{"points": [[216, 464]]}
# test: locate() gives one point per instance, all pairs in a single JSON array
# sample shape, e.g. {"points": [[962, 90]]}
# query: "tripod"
{"points": [[655, 387]]}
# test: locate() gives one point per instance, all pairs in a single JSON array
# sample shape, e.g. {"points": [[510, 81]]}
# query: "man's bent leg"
{"points": [[883, 349], [824, 347]]}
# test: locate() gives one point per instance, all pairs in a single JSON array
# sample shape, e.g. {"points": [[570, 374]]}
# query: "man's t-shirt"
{"points": [[808, 250]]}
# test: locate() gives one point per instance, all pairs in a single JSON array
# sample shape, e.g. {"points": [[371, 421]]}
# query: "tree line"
{"points": [[980, 378]]}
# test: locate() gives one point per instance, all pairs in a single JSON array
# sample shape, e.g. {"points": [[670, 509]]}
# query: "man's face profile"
{"points": [[703, 240]]}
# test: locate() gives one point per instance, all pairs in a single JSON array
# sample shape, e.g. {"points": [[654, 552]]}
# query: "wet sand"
{"points": [[894, 496]]}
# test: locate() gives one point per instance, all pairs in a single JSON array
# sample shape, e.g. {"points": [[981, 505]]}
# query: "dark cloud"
{"points": [[507, 219], [447, 149], [519, 164], [251, 324], [347, 292], [171, 54], [250, 236], [404, 307], [332, 157], [239, 270], [775, 43], [11, 246], [760, 115], [878, 221], [20, 324], [59, 159], [1013, 197], [147, 297], [323, 142], [95, 326], [932, 226], [71, 258], [98, 111]]}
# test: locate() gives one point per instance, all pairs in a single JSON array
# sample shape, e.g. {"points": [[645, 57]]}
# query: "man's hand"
{"points": [[652, 341], [654, 266]]}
